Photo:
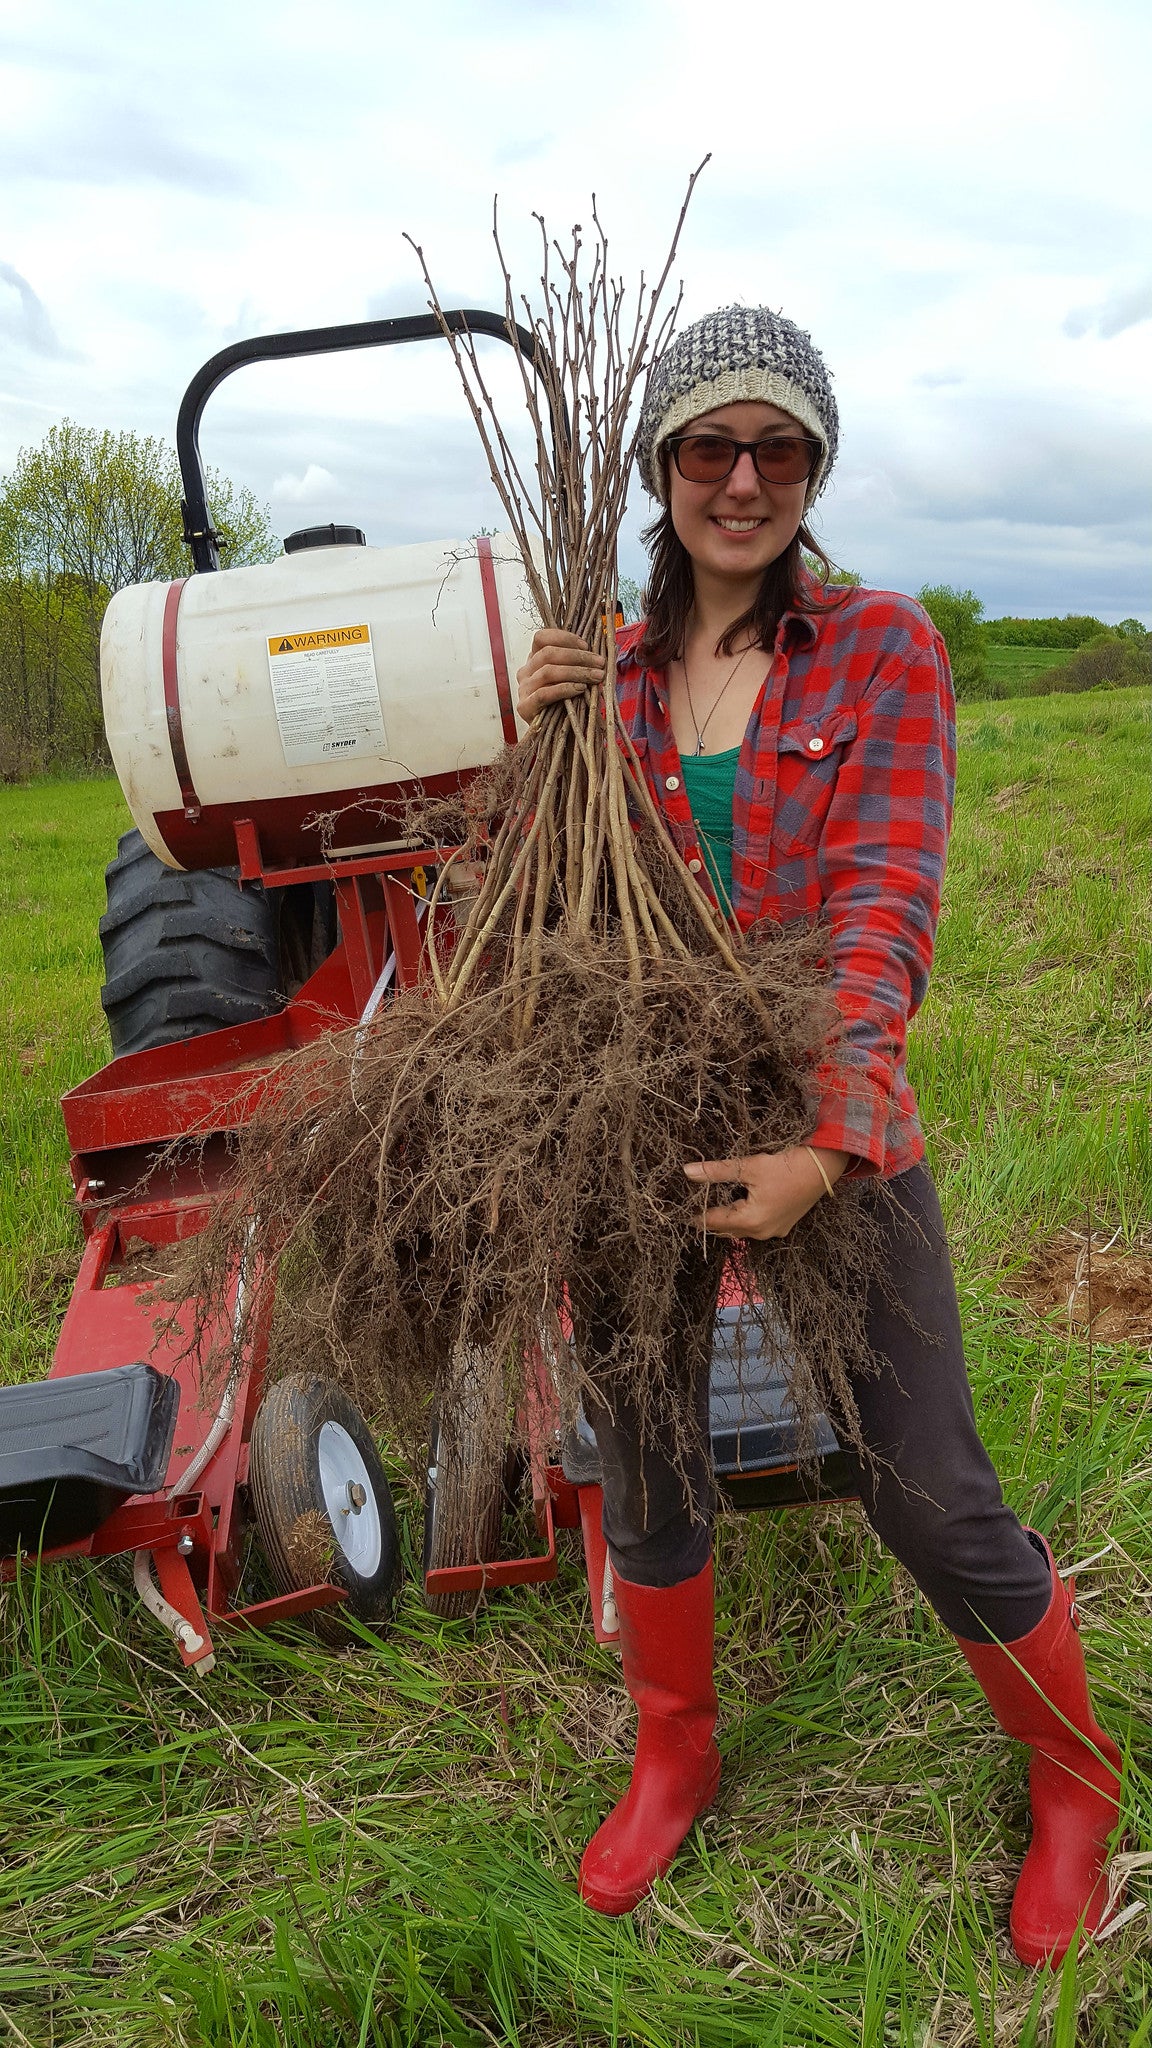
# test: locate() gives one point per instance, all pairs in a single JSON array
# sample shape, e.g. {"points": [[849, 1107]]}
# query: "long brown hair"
{"points": [[786, 585]]}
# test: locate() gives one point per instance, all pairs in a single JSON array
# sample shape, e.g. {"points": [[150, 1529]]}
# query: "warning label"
{"points": [[326, 696], [307, 643]]}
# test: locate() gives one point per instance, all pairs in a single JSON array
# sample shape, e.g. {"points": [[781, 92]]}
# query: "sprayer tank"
{"points": [[312, 696]]}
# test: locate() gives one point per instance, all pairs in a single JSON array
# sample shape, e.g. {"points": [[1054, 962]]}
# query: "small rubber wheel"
{"points": [[323, 1505], [464, 1499]]}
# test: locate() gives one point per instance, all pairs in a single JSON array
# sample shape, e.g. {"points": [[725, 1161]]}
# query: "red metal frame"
{"points": [[136, 1189], [554, 1503]]}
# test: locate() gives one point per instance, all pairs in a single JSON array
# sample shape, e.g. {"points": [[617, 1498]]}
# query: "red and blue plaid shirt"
{"points": [[842, 809]]}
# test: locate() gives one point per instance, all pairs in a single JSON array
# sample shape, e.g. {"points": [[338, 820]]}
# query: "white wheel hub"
{"points": [[349, 1497]]}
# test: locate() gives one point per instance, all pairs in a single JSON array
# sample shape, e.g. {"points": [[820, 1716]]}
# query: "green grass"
{"points": [[56, 839], [380, 1848], [1014, 667]]}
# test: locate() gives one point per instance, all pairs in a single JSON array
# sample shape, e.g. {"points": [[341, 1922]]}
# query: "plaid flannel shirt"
{"points": [[842, 809]]}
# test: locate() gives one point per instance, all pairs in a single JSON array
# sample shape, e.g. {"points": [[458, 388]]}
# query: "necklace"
{"points": [[702, 729]]}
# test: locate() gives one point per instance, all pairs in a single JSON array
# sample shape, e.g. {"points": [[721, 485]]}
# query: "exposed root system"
{"points": [[435, 1184]]}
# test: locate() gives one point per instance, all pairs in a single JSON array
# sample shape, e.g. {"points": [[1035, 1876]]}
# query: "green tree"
{"points": [[958, 616], [81, 516], [847, 577], [1134, 630]]}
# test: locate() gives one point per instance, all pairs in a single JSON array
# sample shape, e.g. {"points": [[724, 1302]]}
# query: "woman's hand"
{"points": [[782, 1187], [560, 665]]}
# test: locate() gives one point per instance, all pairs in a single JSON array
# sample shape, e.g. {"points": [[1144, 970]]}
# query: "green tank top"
{"points": [[710, 786]]}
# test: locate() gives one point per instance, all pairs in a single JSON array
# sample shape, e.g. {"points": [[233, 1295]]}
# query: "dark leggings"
{"points": [[933, 1496]]}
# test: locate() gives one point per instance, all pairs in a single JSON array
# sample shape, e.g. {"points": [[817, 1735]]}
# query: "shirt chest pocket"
{"points": [[809, 757]]}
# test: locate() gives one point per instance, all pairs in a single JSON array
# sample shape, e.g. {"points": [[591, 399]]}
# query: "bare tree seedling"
{"points": [[506, 1144]]}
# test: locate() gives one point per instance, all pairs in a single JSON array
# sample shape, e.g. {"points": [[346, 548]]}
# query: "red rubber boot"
{"points": [[666, 1646], [1038, 1690]]}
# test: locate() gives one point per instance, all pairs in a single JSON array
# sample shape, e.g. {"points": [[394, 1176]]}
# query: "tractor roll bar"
{"points": [[199, 533]]}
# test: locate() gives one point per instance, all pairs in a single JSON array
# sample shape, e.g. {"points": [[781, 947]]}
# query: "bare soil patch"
{"points": [[1095, 1286]]}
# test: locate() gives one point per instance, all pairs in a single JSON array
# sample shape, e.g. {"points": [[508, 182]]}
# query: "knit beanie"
{"points": [[737, 353]]}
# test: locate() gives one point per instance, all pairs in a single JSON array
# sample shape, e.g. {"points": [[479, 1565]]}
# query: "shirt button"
{"points": [[671, 782], [816, 746], [695, 867]]}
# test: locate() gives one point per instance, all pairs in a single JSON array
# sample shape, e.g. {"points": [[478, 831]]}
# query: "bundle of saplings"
{"points": [[511, 1135]]}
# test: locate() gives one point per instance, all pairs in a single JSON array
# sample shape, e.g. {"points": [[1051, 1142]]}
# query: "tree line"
{"points": [[1104, 654], [81, 516]]}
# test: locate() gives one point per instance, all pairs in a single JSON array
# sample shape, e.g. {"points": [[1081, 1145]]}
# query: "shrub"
{"points": [[1105, 665], [971, 679]]}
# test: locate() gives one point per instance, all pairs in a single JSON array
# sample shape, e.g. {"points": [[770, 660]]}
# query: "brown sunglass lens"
{"points": [[784, 460], [705, 458]]}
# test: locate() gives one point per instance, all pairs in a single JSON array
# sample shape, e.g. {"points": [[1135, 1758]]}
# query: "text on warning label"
{"points": [[309, 643]]}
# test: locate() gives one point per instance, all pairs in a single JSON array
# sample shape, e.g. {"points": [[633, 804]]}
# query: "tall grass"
{"points": [[379, 1848]]}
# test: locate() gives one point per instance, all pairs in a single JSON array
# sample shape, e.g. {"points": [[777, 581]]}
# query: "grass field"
{"points": [[380, 1848], [1014, 667]]}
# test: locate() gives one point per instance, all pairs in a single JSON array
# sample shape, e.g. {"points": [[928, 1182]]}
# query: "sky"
{"points": [[954, 203]]}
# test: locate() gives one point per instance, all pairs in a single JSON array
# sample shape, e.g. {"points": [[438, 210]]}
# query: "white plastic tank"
{"points": [[312, 696]]}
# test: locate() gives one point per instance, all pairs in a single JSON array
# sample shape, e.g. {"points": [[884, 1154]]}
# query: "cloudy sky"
{"points": [[954, 201]]}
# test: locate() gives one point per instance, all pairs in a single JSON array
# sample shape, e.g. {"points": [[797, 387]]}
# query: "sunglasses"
{"points": [[709, 458]]}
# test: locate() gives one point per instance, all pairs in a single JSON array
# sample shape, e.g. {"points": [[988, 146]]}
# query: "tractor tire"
{"points": [[322, 1502], [183, 953], [464, 1499]]}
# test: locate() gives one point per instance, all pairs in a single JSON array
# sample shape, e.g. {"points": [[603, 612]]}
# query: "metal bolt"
{"points": [[185, 1546]]}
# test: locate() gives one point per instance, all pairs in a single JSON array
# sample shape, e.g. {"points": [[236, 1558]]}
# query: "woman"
{"points": [[801, 745]]}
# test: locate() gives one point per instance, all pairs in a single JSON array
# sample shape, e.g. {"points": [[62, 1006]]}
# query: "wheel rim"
{"points": [[350, 1500]]}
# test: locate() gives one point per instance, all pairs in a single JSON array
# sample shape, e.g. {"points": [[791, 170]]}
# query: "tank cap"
{"points": [[323, 537]]}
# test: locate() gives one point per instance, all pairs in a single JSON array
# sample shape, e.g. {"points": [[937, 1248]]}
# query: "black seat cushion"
{"points": [[72, 1448]]}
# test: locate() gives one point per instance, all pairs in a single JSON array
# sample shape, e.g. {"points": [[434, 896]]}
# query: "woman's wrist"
{"points": [[829, 1165]]}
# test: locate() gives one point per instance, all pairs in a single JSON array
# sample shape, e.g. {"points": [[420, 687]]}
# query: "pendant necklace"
{"points": [[698, 749]]}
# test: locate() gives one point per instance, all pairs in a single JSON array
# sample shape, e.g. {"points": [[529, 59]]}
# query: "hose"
{"points": [[222, 1421], [168, 1616]]}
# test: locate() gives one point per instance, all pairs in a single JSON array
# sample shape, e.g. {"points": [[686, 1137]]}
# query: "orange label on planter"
{"points": [[313, 643]]}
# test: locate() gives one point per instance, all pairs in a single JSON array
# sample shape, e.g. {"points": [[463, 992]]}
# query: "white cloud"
{"points": [[928, 198], [1122, 309], [26, 322], [315, 484]]}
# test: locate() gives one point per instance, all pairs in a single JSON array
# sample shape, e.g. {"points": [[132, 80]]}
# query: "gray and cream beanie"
{"points": [[737, 353]]}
